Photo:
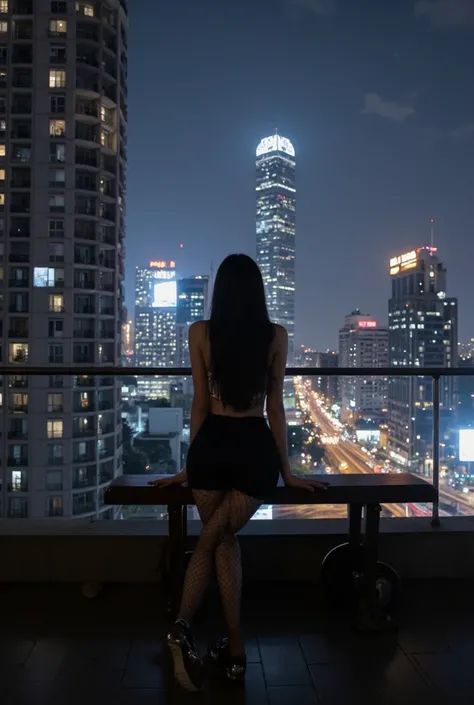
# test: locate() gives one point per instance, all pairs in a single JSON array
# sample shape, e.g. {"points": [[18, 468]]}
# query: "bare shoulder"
{"points": [[198, 329], [197, 333]]}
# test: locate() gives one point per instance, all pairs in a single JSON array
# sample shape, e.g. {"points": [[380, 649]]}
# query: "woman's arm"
{"points": [[275, 408], [200, 405], [276, 413]]}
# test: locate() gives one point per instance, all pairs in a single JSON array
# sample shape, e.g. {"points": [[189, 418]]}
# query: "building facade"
{"points": [[276, 229], [423, 333], [328, 386], [192, 305], [155, 324], [63, 117], [362, 343]]}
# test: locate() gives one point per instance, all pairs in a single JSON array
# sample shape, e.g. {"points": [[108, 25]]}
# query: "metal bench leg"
{"points": [[177, 524], [355, 525]]}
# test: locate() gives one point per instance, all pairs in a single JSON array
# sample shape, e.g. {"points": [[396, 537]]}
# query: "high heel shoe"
{"points": [[186, 660], [234, 667]]}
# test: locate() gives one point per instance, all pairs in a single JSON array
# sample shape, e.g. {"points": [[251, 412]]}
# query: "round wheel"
{"points": [[387, 586], [339, 571], [342, 571]]}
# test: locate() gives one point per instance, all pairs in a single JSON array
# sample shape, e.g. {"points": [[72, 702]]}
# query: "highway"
{"points": [[346, 456]]}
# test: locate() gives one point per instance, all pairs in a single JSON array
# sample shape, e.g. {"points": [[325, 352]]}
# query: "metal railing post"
{"points": [[435, 516]]}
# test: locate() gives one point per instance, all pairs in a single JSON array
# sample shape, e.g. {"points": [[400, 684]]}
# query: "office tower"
{"points": [[155, 324], [328, 386], [63, 113], [276, 229], [192, 305], [422, 333], [362, 343]]}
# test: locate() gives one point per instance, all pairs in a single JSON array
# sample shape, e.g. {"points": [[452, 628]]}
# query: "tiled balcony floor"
{"points": [[57, 648]]}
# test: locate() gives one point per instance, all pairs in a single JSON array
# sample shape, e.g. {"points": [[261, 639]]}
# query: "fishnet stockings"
{"points": [[222, 515]]}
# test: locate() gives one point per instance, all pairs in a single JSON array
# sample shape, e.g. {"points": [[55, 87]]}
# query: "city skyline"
{"points": [[372, 169]]}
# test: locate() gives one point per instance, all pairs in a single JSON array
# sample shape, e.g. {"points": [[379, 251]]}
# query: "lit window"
{"points": [[3, 150], [56, 303], [18, 352], [2, 200], [4, 6], [57, 128], [48, 276], [58, 27], [57, 178], [3, 27], [57, 78], [2, 174], [55, 428], [85, 8], [57, 202]]}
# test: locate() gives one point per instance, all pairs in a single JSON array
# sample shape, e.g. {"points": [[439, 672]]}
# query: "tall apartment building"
{"points": [[362, 343], [63, 116], [423, 333]]}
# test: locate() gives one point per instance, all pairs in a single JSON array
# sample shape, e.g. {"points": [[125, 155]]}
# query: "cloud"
{"points": [[319, 7], [464, 133], [392, 110], [446, 14]]}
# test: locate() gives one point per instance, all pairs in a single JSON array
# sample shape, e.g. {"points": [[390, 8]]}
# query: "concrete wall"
{"points": [[123, 552]]}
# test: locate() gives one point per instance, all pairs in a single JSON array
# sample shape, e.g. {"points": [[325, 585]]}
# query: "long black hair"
{"points": [[240, 334]]}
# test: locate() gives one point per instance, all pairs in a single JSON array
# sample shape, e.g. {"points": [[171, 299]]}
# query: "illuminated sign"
{"points": [[275, 143], [161, 264], [403, 262], [165, 294], [367, 324], [466, 445]]}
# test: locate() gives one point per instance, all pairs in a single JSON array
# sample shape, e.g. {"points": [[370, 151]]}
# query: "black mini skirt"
{"points": [[231, 452]]}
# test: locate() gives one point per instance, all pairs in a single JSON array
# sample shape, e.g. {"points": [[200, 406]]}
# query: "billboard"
{"points": [[165, 294], [466, 445]]}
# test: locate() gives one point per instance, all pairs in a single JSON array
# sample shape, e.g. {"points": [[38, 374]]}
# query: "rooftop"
{"points": [[57, 647]]}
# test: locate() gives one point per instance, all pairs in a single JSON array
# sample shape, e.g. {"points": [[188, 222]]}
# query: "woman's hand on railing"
{"points": [[180, 479], [304, 483]]}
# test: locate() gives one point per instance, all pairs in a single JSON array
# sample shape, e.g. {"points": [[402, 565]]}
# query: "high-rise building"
{"points": [[423, 333], [328, 386], [192, 306], [155, 324], [276, 229], [63, 110], [362, 343]]}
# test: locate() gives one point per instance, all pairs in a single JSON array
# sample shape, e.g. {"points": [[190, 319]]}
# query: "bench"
{"points": [[349, 569]]}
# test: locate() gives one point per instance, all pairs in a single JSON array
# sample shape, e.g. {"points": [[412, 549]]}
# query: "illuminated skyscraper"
{"points": [[363, 344], [155, 323], [276, 229], [191, 307], [422, 333]]}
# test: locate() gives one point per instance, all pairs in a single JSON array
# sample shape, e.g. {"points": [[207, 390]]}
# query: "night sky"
{"points": [[377, 97]]}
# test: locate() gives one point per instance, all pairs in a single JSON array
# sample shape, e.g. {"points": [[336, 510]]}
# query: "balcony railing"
{"points": [[434, 406]]}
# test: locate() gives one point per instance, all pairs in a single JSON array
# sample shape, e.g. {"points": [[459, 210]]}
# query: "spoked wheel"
{"points": [[342, 573]]}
